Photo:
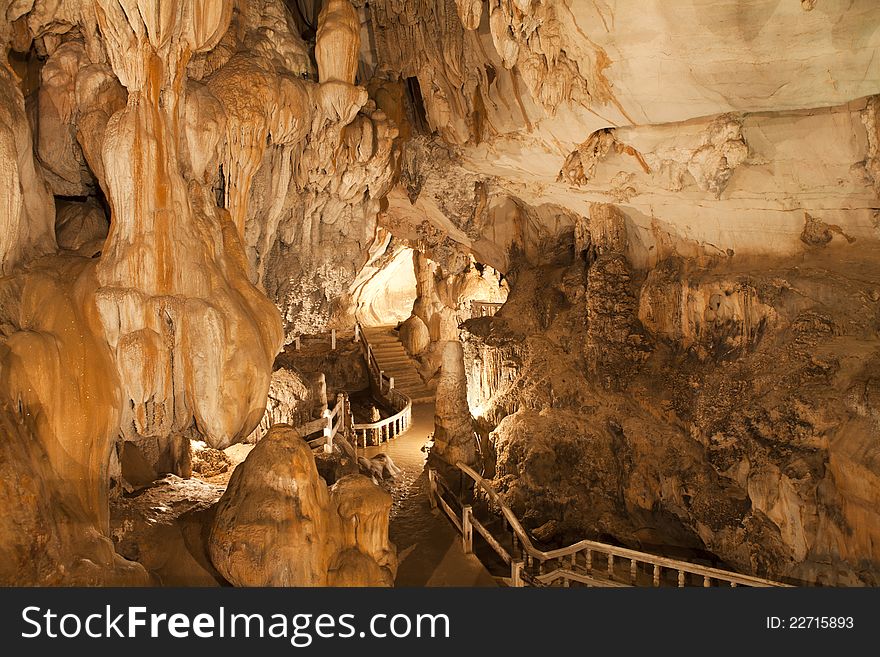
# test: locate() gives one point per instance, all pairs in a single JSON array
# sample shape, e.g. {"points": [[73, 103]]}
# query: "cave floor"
{"points": [[429, 548]]}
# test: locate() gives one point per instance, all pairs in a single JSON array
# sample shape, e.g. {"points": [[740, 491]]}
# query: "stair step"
{"points": [[413, 389], [396, 362]]}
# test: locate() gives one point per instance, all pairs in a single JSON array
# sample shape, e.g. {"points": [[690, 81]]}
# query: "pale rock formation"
{"points": [[414, 335], [871, 119], [57, 375], [746, 133], [57, 147], [470, 12], [99, 95], [444, 301], [385, 289], [278, 524], [26, 207], [291, 400], [46, 537], [184, 299], [454, 440], [338, 42]]}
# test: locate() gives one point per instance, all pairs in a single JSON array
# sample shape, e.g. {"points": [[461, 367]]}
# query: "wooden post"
{"points": [[467, 530], [340, 418], [516, 579], [656, 575], [328, 431], [391, 383], [296, 343], [381, 381], [706, 581], [589, 560], [632, 571], [432, 489], [610, 565], [680, 579], [333, 339]]}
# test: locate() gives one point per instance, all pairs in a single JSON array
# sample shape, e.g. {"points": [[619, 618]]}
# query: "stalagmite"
{"points": [[278, 524], [454, 439]]}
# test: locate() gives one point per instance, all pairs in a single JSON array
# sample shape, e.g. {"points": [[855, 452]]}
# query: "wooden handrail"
{"points": [[485, 308], [326, 425], [610, 552], [383, 386]]}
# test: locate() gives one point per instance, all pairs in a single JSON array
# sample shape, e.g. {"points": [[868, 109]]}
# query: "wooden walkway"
{"points": [[585, 563], [428, 548]]}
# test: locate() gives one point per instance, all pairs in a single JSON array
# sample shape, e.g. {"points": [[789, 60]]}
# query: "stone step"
{"points": [[405, 384], [390, 354], [382, 348], [400, 365], [415, 387], [394, 360], [421, 389], [410, 382]]}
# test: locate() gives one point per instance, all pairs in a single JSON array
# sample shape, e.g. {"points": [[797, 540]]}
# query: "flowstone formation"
{"points": [[134, 316], [278, 524], [454, 440]]}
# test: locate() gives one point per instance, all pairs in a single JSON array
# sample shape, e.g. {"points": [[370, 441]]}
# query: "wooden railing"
{"points": [[579, 562], [485, 308], [331, 422], [383, 388], [297, 342]]}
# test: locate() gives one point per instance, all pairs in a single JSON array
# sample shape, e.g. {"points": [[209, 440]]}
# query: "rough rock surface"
{"points": [[159, 128], [454, 440], [164, 528], [738, 406], [278, 524]]}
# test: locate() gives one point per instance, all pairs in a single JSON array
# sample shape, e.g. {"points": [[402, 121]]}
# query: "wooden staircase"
{"points": [[395, 362], [585, 563]]}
